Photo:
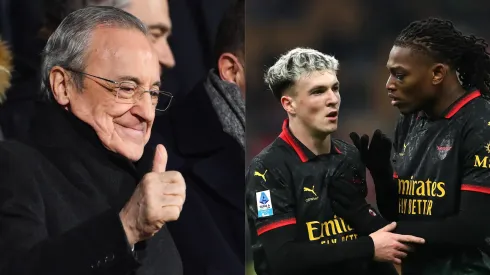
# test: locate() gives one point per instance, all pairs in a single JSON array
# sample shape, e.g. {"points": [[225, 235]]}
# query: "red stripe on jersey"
{"points": [[286, 136], [275, 225], [475, 188], [463, 102]]}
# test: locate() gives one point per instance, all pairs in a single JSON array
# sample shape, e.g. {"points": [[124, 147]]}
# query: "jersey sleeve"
{"points": [[270, 197], [476, 156]]}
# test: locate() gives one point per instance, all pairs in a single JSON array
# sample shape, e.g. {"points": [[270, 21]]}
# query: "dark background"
{"points": [[358, 33], [194, 22]]}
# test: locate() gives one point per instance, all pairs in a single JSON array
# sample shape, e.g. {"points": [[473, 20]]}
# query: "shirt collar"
{"points": [[301, 150], [457, 105]]}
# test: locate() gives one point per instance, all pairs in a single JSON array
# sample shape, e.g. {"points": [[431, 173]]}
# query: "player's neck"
{"points": [[318, 144], [449, 94]]}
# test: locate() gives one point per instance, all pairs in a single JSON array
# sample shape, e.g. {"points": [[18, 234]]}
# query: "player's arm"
{"points": [[277, 229], [348, 188], [372, 221], [386, 194], [470, 226], [378, 158], [385, 186]]}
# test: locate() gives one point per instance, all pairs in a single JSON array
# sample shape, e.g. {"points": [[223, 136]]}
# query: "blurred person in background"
{"points": [[5, 75], [293, 227], [436, 184], [16, 113], [71, 198], [153, 13], [204, 133]]}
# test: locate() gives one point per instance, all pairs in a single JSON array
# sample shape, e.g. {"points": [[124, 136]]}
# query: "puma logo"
{"points": [[257, 174], [312, 190]]}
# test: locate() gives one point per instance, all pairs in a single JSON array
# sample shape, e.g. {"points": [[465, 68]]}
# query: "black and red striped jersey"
{"points": [[287, 185], [435, 160]]}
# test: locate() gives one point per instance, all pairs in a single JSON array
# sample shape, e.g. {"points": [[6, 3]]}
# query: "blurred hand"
{"points": [[158, 199], [391, 247]]}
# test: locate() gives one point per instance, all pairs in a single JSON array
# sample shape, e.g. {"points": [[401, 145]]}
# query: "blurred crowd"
{"points": [[360, 34]]}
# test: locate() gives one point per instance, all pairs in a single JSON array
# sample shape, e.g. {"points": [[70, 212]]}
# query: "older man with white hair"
{"points": [[71, 199], [294, 229], [16, 113]]}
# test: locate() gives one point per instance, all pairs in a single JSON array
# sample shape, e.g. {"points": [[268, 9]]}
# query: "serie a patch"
{"points": [[264, 204]]}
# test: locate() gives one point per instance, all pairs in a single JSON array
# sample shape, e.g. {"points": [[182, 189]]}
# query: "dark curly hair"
{"points": [[231, 31], [442, 41]]}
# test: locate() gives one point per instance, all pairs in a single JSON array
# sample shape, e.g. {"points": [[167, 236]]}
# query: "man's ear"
{"points": [[229, 68], [60, 84], [288, 104], [439, 72]]}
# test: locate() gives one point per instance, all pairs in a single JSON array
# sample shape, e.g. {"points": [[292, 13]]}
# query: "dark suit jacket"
{"points": [[59, 202], [210, 231]]}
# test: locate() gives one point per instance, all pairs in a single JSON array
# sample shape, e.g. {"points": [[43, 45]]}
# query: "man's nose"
{"points": [[144, 107], [333, 98], [390, 85], [165, 55]]}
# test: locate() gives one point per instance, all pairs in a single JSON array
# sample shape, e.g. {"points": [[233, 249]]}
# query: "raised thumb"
{"points": [[160, 159]]}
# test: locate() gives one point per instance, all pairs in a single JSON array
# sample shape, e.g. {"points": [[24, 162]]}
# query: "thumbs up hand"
{"points": [[157, 199], [160, 159]]}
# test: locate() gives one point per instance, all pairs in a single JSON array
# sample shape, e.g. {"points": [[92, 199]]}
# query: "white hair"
{"points": [[67, 46], [295, 64]]}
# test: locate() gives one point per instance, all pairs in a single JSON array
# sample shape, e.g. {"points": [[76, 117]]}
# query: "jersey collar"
{"points": [[301, 150], [457, 105]]}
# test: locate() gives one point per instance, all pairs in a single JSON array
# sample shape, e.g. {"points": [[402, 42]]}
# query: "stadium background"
{"points": [[360, 34]]}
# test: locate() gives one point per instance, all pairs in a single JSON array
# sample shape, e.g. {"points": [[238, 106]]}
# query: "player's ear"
{"points": [[288, 104], [439, 71]]}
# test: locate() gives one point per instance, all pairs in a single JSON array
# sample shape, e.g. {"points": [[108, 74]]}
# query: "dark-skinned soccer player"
{"points": [[436, 182]]}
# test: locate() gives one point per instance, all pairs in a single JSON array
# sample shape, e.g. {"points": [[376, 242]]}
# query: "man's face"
{"points": [[120, 55], [155, 15], [410, 82], [316, 101]]}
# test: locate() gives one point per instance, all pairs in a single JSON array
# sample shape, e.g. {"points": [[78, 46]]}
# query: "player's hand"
{"points": [[158, 199], [391, 247], [375, 155]]}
